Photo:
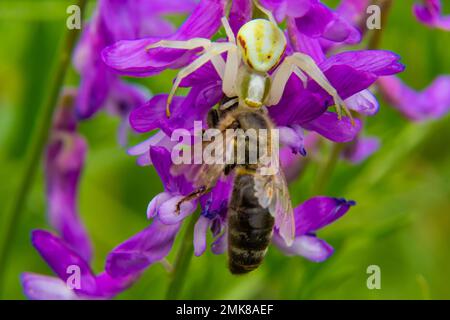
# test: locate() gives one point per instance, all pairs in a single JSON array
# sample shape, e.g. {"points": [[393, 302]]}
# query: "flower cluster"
{"points": [[116, 42], [303, 106], [100, 87]]}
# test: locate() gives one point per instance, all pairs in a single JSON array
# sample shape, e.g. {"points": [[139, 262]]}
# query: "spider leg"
{"points": [[232, 64], [181, 44], [265, 11], [231, 72], [302, 76], [218, 62], [279, 80], [307, 64], [228, 30], [211, 54]]}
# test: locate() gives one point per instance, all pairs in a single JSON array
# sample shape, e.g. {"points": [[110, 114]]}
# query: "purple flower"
{"points": [[64, 162], [431, 103], [116, 20], [303, 106], [293, 163], [315, 20], [213, 217], [310, 216], [353, 11], [430, 14], [143, 249], [75, 279], [154, 243], [131, 57], [349, 72], [194, 107]]}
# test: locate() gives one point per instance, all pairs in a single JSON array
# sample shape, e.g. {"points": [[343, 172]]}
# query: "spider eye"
{"points": [[262, 43]]}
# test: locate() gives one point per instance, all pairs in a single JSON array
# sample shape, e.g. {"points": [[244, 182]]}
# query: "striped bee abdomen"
{"points": [[249, 226]]}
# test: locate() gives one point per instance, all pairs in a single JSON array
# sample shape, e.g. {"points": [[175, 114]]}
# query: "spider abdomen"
{"points": [[261, 43]]}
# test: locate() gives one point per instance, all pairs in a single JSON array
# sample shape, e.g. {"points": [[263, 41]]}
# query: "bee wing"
{"points": [[272, 192], [207, 173]]}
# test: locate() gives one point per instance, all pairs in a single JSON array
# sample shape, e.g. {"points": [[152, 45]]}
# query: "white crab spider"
{"points": [[245, 73]]}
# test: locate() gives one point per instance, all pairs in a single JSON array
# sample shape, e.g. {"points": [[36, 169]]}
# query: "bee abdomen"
{"points": [[249, 228], [246, 246]]}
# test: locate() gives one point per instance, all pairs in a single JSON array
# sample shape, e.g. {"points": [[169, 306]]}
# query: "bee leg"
{"points": [[192, 196]]}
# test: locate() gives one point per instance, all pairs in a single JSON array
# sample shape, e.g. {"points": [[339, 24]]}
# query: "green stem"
{"points": [[37, 145], [182, 261], [327, 169], [375, 40]]}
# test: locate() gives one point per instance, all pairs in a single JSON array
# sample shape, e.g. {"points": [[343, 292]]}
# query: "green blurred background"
{"points": [[401, 222]]}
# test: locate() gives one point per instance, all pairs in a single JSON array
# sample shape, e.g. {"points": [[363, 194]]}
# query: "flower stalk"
{"points": [[182, 261], [37, 145], [375, 40], [327, 169]]}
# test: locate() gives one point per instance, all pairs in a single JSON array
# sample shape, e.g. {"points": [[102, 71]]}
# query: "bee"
{"points": [[259, 202]]}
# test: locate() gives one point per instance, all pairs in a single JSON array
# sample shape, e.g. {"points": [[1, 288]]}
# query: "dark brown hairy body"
{"points": [[249, 226]]}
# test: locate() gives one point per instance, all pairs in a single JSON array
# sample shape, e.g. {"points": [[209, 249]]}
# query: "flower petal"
{"points": [[291, 164], [132, 58], [318, 212], [93, 90], [363, 148], [430, 14], [140, 251], [111, 286], [240, 13], [39, 287], [61, 259], [341, 30], [220, 245], [314, 22], [297, 105], [215, 203], [302, 43], [200, 230], [159, 139], [430, 103], [308, 246], [329, 126], [377, 62], [363, 102], [293, 138], [168, 210], [64, 162], [352, 10], [185, 110], [161, 159], [155, 204]]}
